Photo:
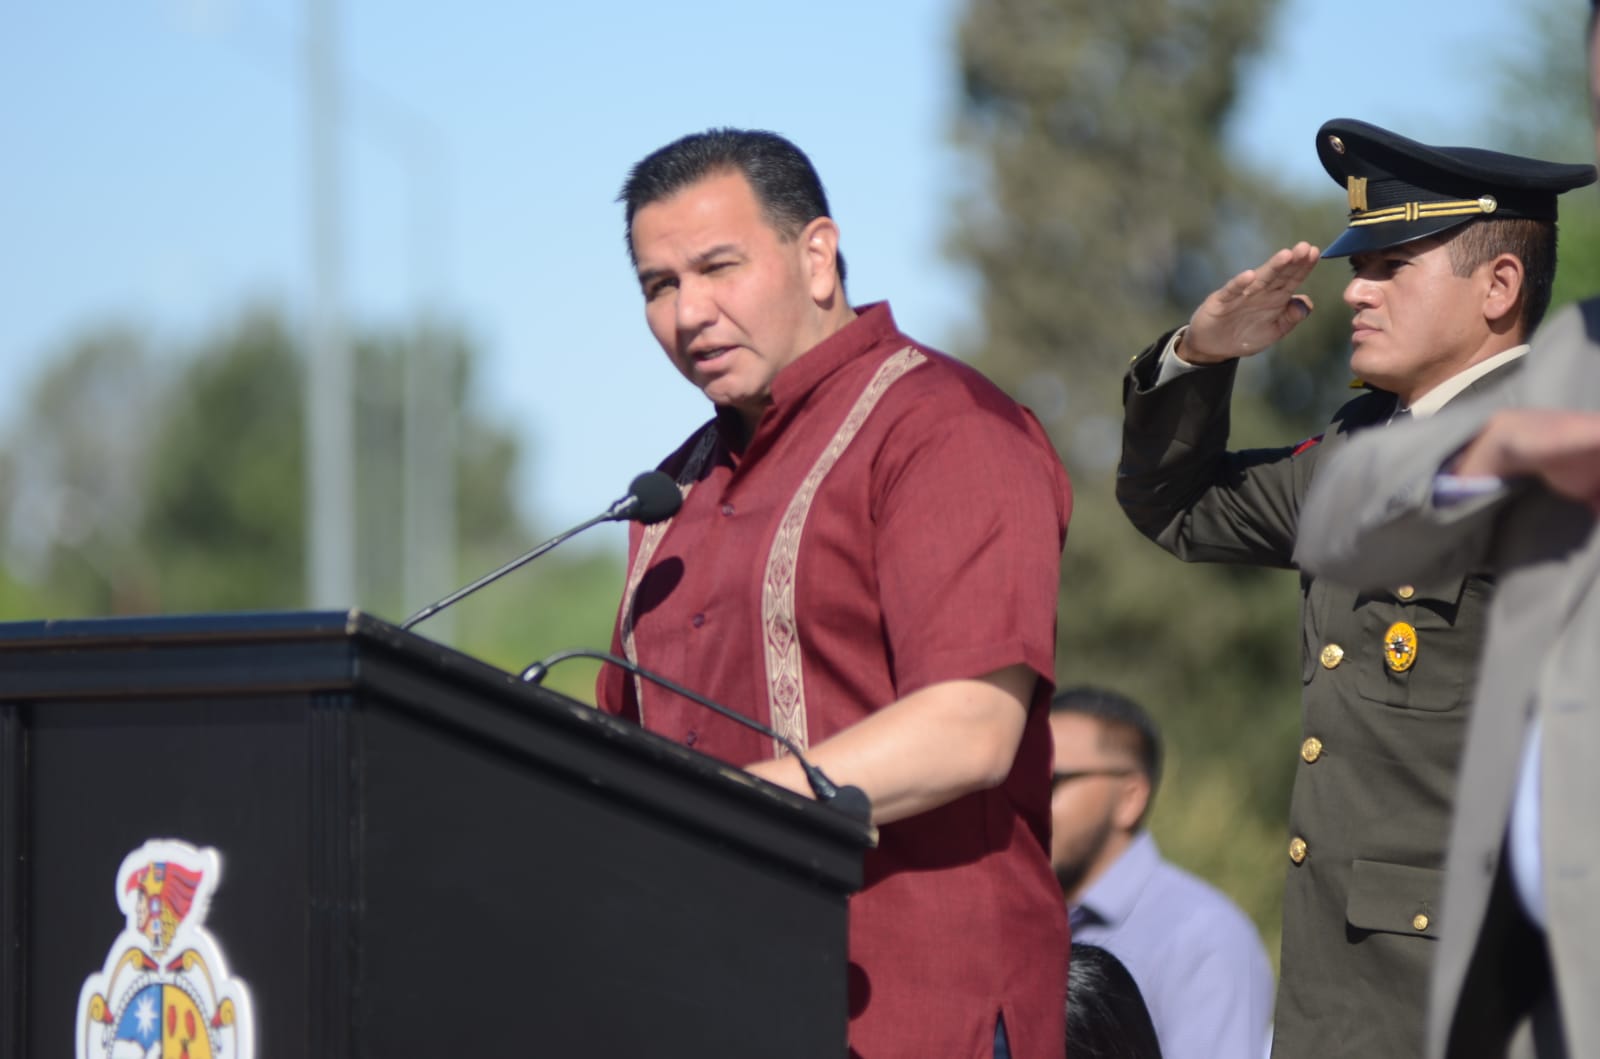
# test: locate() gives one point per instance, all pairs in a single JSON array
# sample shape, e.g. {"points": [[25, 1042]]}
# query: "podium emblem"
{"points": [[165, 991]]}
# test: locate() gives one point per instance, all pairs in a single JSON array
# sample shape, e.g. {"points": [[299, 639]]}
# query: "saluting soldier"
{"points": [[1452, 253]]}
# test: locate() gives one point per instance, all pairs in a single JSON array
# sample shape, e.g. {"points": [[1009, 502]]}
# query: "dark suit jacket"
{"points": [[1372, 798], [1375, 521]]}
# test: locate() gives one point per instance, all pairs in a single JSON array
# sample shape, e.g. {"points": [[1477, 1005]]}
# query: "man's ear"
{"points": [[1502, 297], [819, 241], [1133, 798]]}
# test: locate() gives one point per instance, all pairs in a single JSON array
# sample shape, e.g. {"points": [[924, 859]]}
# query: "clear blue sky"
{"points": [[154, 170]]}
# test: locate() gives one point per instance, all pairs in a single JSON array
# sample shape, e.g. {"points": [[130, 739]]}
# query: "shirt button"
{"points": [[1420, 922], [698, 620], [727, 509], [1298, 850], [1332, 655], [1406, 592], [691, 738], [1311, 749]]}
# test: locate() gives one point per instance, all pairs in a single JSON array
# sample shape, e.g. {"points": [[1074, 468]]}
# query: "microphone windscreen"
{"points": [[853, 802], [658, 496]]}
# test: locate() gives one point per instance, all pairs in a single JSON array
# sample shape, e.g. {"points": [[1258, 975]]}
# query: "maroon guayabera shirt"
{"points": [[895, 521]]}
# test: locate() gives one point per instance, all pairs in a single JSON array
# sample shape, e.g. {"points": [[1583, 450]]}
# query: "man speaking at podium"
{"points": [[866, 560]]}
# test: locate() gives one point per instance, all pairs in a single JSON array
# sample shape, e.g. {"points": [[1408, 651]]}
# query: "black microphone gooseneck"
{"points": [[850, 800], [652, 497]]}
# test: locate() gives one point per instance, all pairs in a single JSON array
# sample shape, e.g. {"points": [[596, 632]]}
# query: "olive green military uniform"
{"points": [[1383, 729]]}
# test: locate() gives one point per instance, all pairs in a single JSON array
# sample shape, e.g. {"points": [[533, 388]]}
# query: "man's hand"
{"points": [[1562, 449], [1252, 310]]}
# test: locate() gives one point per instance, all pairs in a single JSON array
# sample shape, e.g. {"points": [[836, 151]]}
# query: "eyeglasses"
{"points": [[1058, 778]]}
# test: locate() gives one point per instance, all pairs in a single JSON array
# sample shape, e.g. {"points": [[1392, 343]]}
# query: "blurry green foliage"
{"points": [[1105, 209], [172, 481], [71, 476], [1578, 274], [223, 503], [1544, 88]]}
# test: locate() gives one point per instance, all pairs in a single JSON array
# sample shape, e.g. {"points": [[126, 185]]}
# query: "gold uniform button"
{"points": [[1311, 749], [1297, 850], [1400, 646], [1332, 655], [1405, 591], [1420, 921]]}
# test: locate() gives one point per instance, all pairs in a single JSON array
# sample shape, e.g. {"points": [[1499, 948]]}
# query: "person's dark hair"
{"points": [[782, 177], [1533, 242], [1121, 716], [1106, 1014]]}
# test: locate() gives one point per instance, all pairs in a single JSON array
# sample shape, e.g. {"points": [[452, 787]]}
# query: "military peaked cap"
{"points": [[1402, 190]]}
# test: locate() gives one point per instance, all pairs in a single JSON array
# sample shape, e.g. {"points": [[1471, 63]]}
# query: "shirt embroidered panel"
{"points": [[785, 674]]}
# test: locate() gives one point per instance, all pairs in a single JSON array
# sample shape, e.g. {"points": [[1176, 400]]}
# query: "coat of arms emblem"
{"points": [[165, 992]]}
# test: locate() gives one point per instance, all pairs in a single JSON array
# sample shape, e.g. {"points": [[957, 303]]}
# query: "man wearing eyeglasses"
{"points": [[1196, 957]]}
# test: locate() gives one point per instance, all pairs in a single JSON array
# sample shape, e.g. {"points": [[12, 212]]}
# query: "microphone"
{"points": [[652, 497], [850, 800]]}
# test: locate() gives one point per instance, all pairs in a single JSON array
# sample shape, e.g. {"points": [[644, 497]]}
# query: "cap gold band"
{"points": [[1417, 211]]}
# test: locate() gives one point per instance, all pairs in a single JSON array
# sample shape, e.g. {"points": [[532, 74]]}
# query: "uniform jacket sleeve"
{"points": [[1181, 487]]}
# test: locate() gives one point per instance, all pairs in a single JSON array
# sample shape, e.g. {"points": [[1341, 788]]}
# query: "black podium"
{"points": [[421, 856]]}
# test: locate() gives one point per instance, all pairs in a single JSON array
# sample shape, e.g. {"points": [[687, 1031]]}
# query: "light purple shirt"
{"points": [[1196, 957]]}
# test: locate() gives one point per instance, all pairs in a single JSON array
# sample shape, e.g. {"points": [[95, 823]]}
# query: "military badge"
{"points": [[1400, 646], [165, 991]]}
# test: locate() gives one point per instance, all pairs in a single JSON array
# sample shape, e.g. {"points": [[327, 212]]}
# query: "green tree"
{"points": [[1106, 210], [70, 473], [132, 491], [1108, 207], [222, 501], [1544, 86]]}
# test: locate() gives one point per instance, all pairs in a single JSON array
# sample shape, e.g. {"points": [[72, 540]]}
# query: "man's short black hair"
{"points": [[1529, 241], [782, 177], [1107, 1017], [1118, 711]]}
